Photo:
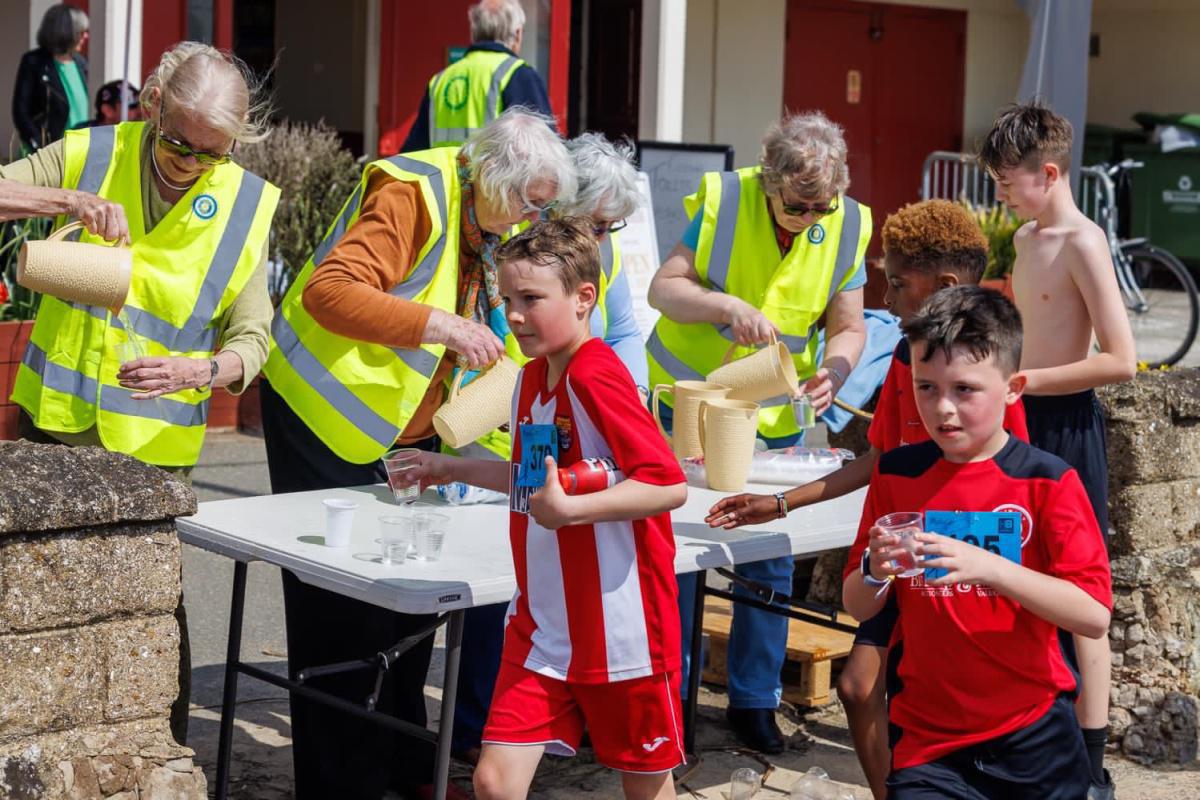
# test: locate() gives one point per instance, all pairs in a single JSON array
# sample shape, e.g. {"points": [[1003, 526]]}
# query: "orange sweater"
{"points": [[348, 293]]}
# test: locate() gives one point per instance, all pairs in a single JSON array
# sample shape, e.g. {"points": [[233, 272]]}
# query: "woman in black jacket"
{"points": [[44, 103]]}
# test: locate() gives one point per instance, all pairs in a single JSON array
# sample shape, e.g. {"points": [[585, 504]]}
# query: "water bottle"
{"points": [[589, 475], [464, 494]]}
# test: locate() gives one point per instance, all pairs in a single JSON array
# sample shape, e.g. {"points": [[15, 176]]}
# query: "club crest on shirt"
{"points": [[564, 433], [1026, 520]]}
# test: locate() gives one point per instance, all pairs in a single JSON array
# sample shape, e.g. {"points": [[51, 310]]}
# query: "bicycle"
{"points": [[1160, 295]]}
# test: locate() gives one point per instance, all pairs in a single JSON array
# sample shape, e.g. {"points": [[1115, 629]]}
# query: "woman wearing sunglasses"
{"points": [[197, 312], [770, 250]]}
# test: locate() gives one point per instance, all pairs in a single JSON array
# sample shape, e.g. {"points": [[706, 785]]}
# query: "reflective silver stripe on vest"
{"points": [[722, 244], [449, 135], [847, 243], [339, 229], [606, 257], [423, 273], [669, 361], [197, 333], [99, 154], [493, 96], [356, 412], [112, 398]]}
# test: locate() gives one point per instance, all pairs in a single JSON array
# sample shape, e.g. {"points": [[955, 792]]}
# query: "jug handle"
{"points": [[456, 386], [658, 390], [700, 416], [65, 231], [729, 353]]}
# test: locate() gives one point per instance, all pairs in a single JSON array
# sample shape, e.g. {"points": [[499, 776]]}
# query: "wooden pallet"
{"points": [[811, 652]]}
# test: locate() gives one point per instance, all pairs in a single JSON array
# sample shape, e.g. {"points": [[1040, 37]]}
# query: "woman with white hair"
{"points": [[401, 292], [770, 250]]}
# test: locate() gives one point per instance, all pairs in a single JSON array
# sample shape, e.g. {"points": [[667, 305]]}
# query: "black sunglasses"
{"points": [[602, 228], [803, 209], [183, 149]]}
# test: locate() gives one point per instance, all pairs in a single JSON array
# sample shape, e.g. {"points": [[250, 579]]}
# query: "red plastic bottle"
{"points": [[589, 475]]}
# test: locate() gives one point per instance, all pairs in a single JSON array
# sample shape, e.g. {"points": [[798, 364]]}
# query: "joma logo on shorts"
{"points": [[650, 747]]}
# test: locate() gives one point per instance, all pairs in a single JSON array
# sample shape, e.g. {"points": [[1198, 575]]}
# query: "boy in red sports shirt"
{"points": [[981, 704], [592, 638], [927, 246]]}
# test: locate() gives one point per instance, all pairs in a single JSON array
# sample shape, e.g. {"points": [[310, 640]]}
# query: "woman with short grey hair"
{"points": [[50, 96], [400, 294], [771, 251]]}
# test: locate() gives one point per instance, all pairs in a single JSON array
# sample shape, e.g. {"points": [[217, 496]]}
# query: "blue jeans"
{"points": [[757, 639], [483, 639]]}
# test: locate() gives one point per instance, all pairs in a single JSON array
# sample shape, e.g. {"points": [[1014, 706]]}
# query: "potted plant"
{"points": [[998, 224], [18, 307]]}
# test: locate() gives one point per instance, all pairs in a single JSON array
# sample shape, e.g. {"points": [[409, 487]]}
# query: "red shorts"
{"points": [[635, 725]]}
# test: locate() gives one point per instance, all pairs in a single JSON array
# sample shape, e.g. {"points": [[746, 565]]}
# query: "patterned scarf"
{"points": [[478, 289]]}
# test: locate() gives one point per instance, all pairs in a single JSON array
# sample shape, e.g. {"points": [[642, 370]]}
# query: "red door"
{"points": [[892, 76]]}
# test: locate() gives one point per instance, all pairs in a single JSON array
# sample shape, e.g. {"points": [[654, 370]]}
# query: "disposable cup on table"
{"points": [[906, 525], [429, 534], [398, 463], [395, 538], [339, 521]]}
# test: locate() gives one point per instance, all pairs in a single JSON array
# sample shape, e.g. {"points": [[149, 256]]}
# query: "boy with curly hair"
{"points": [[927, 246]]}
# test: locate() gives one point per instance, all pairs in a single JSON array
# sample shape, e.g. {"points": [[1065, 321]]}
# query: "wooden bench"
{"points": [[811, 652]]}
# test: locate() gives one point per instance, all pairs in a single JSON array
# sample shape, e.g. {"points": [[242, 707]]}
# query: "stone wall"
{"points": [[1154, 503], [89, 644]]}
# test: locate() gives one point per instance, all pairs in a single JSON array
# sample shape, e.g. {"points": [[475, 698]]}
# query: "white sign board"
{"points": [[639, 257], [675, 171]]}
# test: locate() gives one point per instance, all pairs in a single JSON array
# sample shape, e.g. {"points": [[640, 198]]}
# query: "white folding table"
{"points": [[475, 570]]}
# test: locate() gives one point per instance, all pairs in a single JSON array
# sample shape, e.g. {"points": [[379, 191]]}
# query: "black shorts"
{"points": [[1071, 426], [877, 631], [1045, 760]]}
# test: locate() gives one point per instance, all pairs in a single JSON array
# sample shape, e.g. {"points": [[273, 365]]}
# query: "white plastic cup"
{"points": [[395, 538], [339, 521], [906, 525]]}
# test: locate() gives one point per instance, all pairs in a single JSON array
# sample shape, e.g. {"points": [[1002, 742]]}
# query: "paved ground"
{"points": [[233, 465]]}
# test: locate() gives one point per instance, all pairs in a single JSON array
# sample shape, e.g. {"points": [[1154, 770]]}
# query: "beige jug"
{"points": [[727, 432], [483, 406], [685, 435], [81, 272], [769, 372]]}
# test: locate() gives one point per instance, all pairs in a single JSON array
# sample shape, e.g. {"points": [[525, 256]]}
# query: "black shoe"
{"points": [[756, 728], [1103, 791]]}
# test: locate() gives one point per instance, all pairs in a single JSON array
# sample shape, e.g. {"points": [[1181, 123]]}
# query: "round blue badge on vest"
{"points": [[816, 234], [204, 206]]}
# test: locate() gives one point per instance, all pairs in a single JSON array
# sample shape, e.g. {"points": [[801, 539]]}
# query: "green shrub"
{"points": [[998, 224], [17, 302], [315, 175]]}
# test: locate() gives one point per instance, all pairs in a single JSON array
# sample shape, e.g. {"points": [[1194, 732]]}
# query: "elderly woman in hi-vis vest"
{"points": [[198, 228], [770, 250]]}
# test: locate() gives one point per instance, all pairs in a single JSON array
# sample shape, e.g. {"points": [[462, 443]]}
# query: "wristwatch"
{"points": [[212, 377], [868, 578]]}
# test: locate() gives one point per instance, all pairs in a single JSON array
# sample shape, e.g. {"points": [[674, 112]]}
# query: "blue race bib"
{"points": [[997, 532], [537, 442]]}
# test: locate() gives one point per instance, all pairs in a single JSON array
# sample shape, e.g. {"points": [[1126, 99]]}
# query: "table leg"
{"points": [[233, 659], [441, 775], [695, 668]]}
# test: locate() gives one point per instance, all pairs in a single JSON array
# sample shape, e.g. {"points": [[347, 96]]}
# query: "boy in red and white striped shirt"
{"points": [[593, 632]]}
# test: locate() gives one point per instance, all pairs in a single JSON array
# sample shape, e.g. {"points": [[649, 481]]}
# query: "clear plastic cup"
{"points": [[395, 538], [429, 534], [398, 463], [802, 409], [339, 521], [906, 525], [744, 784]]}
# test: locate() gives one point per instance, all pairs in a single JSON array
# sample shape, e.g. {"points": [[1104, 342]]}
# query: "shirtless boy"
{"points": [[1066, 290]]}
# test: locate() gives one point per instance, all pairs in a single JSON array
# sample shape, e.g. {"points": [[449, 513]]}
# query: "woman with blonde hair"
{"points": [[197, 225], [770, 251]]}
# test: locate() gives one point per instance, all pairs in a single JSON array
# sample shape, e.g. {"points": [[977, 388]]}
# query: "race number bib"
{"points": [[997, 532], [529, 473]]}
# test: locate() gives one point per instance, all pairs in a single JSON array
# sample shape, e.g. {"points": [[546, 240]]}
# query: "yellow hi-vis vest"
{"points": [[467, 95], [498, 443], [737, 254], [187, 270], [358, 396]]}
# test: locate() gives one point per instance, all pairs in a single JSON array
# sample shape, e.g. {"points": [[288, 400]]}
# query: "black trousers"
{"points": [[336, 755]]}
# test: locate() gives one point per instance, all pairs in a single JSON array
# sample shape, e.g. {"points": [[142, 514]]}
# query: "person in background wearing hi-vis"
{"points": [[477, 88], [770, 249], [402, 290], [198, 227]]}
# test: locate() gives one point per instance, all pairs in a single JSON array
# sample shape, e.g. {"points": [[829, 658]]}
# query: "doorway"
{"points": [[892, 76], [612, 66]]}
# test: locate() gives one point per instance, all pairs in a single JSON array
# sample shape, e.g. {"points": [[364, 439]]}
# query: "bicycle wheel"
{"points": [[1165, 318]]}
